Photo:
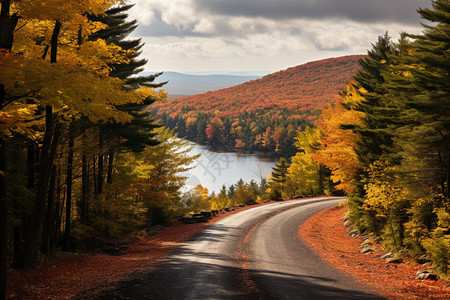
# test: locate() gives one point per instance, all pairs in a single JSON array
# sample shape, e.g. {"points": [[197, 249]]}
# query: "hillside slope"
{"points": [[263, 114]]}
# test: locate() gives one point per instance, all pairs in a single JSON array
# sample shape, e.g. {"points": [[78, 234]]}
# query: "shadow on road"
{"points": [[185, 276]]}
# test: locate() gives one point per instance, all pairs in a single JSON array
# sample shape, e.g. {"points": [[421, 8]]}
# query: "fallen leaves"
{"points": [[326, 235]]}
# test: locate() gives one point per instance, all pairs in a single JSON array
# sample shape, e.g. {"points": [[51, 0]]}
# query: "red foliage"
{"points": [[302, 88], [210, 131]]}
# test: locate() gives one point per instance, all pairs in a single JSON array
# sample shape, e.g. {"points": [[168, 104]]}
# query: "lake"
{"points": [[214, 169]]}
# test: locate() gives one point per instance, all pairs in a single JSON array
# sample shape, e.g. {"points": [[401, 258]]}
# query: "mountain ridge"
{"points": [[181, 84]]}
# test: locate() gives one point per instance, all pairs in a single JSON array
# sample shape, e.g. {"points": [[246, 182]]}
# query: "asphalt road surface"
{"points": [[253, 254]]}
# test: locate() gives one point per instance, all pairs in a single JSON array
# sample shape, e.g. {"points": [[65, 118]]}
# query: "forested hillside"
{"points": [[264, 114]]}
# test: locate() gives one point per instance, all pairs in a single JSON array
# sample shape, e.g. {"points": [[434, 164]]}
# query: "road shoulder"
{"points": [[326, 234]]}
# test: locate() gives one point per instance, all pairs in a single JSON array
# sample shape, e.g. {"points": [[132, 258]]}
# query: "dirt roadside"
{"points": [[66, 277], [326, 234]]}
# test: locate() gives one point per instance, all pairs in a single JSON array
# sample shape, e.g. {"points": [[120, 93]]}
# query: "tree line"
{"points": [[387, 142], [260, 115], [76, 167]]}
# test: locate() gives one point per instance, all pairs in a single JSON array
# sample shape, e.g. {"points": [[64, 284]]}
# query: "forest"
{"points": [[83, 159], [261, 115], [386, 144]]}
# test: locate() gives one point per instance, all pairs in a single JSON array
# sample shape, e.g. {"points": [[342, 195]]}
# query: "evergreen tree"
{"points": [[374, 136], [139, 132], [279, 177], [117, 31], [279, 172], [426, 91], [231, 191], [223, 192]]}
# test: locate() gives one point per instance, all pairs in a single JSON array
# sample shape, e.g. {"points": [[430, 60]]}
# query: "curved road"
{"points": [[253, 254]]}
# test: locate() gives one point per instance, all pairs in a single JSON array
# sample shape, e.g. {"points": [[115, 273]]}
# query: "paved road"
{"points": [[253, 254]]}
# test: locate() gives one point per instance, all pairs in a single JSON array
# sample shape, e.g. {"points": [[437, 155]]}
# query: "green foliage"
{"points": [[279, 172], [245, 196], [401, 191], [158, 215], [260, 115], [438, 247], [275, 193]]}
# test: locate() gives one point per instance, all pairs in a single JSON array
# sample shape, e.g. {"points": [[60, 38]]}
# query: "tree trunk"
{"points": [[48, 152], [7, 25], [100, 165], [56, 230], [31, 173], [69, 179], [448, 169], [3, 221], [84, 188], [94, 175], [54, 43], [49, 217], [110, 166], [321, 179]]}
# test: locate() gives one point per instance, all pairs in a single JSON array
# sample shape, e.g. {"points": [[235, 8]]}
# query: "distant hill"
{"points": [[262, 114], [180, 85]]}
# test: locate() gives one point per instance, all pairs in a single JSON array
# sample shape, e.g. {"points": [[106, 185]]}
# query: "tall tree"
{"points": [[337, 149], [138, 133], [63, 85], [374, 138], [8, 23], [421, 81], [279, 171]]}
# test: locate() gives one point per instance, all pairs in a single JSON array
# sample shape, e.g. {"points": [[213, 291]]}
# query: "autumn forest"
{"points": [[260, 115], [90, 150]]}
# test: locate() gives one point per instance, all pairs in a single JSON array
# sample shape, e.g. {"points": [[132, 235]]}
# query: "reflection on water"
{"points": [[214, 169]]}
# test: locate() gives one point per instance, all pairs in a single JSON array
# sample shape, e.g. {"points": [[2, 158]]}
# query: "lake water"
{"points": [[214, 169]]}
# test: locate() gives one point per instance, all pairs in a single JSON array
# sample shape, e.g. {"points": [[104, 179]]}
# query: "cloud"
{"points": [[267, 34], [214, 18], [366, 11]]}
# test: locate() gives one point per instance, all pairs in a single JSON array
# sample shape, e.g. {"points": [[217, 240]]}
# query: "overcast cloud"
{"points": [[251, 35]]}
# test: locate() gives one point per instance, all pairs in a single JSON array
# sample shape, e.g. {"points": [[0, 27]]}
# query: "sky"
{"points": [[264, 35]]}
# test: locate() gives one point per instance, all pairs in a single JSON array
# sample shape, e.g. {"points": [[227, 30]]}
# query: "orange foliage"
{"points": [[210, 131], [337, 149], [301, 88]]}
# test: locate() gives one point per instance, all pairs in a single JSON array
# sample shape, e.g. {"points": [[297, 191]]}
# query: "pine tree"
{"points": [[279, 171], [375, 139], [427, 95], [140, 131]]}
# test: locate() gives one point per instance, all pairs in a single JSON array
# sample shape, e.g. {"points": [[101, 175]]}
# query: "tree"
{"points": [[7, 26], [338, 146], [160, 186], [57, 88], [279, 171], [419, 83], [279, 177], [139, 132], [374, 138]]}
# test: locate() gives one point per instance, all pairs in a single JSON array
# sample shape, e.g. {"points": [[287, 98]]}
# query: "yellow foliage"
{"points": [[384, 192], [337, 150], [303, 174]]}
